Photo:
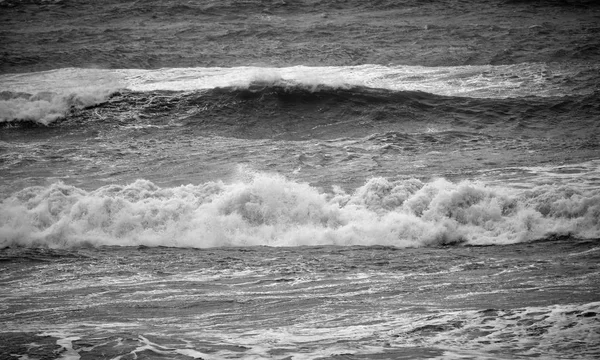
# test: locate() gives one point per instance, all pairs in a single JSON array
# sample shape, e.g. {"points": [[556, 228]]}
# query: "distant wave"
{"points": [[44, 97], [292, 111], [306, 111], [263, 209]]}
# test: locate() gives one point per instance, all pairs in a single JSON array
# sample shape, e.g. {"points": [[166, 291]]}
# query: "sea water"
{"points": [[360, 211]]}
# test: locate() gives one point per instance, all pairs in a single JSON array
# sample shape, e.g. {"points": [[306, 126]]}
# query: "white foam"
{"points": [[264, 209], [46, 96], [66, 342]]}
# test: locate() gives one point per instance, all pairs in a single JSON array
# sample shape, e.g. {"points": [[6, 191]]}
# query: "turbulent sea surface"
{"points": [[299, 180]]}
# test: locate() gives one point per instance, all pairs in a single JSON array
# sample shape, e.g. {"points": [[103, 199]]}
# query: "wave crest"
{"points": [[46, 96]]}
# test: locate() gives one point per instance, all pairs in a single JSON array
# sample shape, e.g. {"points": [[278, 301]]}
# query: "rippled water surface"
{"points": [[308, 302]]}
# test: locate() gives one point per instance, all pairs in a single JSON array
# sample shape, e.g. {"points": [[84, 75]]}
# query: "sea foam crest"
{"points": [[271, 210], [46, 107], [44, 97]]}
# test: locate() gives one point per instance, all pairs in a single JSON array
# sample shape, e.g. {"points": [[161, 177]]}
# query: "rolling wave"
{"points": [[299, 111], [45, 97]]}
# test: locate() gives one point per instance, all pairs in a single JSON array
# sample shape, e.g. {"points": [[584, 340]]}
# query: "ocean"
{"points": [[299, 180]]}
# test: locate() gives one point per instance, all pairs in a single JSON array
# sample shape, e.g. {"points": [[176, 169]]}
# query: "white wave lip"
{"points": [[270, 210], [44, 97]]}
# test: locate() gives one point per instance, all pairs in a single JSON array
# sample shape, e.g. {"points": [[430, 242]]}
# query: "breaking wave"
{"points": [[44, 97], [269, 210]]}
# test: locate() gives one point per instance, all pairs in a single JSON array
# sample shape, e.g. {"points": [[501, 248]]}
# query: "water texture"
{"points": [[299, 180]]}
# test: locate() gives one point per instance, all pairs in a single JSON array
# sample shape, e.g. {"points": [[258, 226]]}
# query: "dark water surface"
{"points": [[49, 34]]}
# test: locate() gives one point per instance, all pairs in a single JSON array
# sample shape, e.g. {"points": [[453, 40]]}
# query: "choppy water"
{"points": [[519, 301], [348, 211]]}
